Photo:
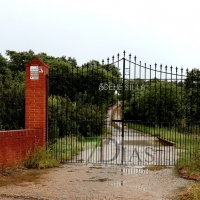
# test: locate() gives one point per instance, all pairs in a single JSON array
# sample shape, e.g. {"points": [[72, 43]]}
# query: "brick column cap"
{"points": [[36, 62]]}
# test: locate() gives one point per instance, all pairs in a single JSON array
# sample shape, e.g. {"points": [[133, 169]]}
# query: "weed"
{"points": [[192, 192], [39, 158], [8, 170]]}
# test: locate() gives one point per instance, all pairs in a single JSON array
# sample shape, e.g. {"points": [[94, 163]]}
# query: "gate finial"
{"points": [[113, 58], [124, 53], [135, 58], [118, 56]]}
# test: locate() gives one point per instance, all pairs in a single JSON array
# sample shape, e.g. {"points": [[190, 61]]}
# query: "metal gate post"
{"points": [[123, 96]]}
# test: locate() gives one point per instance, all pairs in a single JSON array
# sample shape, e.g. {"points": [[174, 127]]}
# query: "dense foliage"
{"points": [[166, 102], [76, 105]]}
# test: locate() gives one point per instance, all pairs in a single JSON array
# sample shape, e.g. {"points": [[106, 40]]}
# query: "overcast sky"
{"points": [[165, 32]]}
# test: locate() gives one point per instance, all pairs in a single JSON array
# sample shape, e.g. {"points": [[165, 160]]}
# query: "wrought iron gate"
{"points": [[123, 112]]}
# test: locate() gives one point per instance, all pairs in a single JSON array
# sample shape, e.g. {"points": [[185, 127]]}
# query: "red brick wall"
{"points": [[36, 98], [15, 144]]}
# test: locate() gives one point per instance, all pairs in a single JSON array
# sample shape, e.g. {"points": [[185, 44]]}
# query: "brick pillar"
{"points": [[36, 96]]}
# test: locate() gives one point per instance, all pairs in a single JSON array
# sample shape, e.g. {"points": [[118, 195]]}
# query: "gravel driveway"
{"points": [[80, 181]]}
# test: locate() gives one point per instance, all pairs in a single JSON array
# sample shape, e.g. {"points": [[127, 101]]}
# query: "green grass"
{"points": [[64, 149], [183, 141]]}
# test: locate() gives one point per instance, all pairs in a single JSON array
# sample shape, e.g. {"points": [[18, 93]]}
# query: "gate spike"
{"points": [[118, 56], [108, 60], [161, 67], [103, 62], [113, 58], [129, 56], [135, 58], [124, 53]]}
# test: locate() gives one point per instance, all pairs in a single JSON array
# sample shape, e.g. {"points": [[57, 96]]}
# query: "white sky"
{"points": [[165, 32]]}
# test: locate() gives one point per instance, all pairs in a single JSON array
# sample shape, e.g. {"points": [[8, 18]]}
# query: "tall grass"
{"points": [[39, 158]]}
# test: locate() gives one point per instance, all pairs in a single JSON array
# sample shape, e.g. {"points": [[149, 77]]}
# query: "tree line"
{"points": [[78, 106]]}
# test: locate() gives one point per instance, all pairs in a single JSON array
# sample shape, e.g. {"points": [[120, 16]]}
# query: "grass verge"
{"points": [[190, 170], [64, 149], [183, 141], [191, 192]]}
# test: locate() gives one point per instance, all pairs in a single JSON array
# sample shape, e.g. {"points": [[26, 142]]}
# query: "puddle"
{"points": [[80, 160], [132, 171], [112, 172], [156, 168], [22, 178], [143, 143], [96, 167], [103, 179], [99, 180], [138, 187], [119, 183]]}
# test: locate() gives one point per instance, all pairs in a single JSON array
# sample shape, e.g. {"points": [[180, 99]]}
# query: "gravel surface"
{"points": [[80, 181]]}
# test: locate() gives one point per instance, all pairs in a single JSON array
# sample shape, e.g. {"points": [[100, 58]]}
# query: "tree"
{"points": [[11, 96], [160, 102], [18, 59], [192, 97]]}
